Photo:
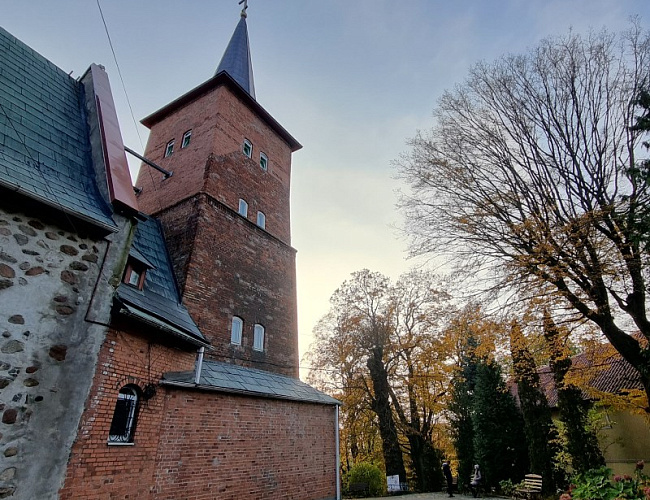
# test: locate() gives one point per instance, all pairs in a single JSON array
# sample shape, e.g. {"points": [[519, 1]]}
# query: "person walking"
{"points": [[475, 483], [446, 470]]}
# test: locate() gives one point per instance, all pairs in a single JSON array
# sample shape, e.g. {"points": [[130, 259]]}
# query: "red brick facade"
{"points": [[219, 121], [98, 470], [234, 268], [225, 264], [195, 444], [235, 448]]}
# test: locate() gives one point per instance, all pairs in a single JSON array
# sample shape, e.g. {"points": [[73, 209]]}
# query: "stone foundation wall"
{"points": [[47, 350]]}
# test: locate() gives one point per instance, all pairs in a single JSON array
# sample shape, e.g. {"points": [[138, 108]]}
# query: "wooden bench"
{"points": [[361, 489], [531, 488]]}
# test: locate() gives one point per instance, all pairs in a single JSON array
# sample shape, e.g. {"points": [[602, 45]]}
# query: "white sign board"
{"points": [[393, 483]]}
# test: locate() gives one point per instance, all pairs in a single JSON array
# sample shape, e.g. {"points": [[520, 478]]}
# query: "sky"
{"points": [[351, 80]]}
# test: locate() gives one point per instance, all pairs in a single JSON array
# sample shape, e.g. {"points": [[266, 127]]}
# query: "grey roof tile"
{"points": [[236, 60], [159, 296], [44, 143], [232, 378]]}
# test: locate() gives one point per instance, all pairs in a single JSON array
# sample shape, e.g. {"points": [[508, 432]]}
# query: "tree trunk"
{"points": [[381, 406]]}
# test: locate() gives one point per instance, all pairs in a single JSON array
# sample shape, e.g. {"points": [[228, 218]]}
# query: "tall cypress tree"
{"points": [[499, 440], [582, 443], [541, 434], [461, 409]]}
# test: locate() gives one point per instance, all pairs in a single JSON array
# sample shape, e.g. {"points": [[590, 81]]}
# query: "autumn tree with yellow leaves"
{"points": [[380, 349], [530, 181]]}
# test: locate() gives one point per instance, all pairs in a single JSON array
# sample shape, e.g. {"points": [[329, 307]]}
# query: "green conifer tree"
{"points": [[499, 440], [541, 434], [582, 443], [461, 408]]}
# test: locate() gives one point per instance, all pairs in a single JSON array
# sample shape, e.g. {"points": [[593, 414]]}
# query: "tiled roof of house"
{"points": [[44, 139], [602, 369], [224, 377], [159, 301]]}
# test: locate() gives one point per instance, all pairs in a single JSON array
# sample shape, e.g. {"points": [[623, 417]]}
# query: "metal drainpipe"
{"points": [[199, 366], [338, 453]]}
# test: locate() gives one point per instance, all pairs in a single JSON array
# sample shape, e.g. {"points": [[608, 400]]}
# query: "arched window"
{"points": [[125, 415], [247, 148], [261, 220], [243, 208], [258, 338], [236, 330]]}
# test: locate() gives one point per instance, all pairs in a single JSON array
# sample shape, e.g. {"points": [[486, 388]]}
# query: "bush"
{"points": [[597, 484], [365, 472], [506, 488]]}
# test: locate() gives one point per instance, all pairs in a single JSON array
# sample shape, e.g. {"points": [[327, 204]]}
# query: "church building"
{"points": [[150, 342]]}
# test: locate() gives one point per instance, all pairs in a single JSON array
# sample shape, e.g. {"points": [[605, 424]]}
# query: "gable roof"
{"points": [[44, 138], [224, 377]]}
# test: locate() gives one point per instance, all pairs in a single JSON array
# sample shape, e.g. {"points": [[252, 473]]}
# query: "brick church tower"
{"points": [[226, 213]]}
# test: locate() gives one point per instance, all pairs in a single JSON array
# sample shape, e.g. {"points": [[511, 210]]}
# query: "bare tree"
{"points": [[529, 178]]}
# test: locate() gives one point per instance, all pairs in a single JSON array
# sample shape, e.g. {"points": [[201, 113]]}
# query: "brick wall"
{"points": [[193, 444], [97, 470], [234, 447], [220, 122], [236, 268]]}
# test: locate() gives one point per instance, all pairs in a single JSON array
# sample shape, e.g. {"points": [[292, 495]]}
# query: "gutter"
{"points": [[338, 452], [46, 201], [151, 321]]}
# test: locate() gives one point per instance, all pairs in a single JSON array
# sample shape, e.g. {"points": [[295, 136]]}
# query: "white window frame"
{"points": [[261, 220], [243, 208], [236, 330], [258, 337], [264, 161], [187, 138], [169, 148], [247, 148], [134, 278]]}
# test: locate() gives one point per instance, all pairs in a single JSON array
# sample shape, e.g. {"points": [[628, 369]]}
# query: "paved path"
{"points": [[425, 496]]}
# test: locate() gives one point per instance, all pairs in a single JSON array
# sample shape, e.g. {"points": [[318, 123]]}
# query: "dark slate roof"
{"points": [[158, 303], [224, 377], [44, 138], [236, 60]]}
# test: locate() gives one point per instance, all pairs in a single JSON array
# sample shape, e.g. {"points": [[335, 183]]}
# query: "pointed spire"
{"points": [[236, 60]]}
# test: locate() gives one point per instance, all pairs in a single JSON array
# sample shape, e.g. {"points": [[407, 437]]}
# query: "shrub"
{"points": [[365, 472], [506, 487], [597, 484]]}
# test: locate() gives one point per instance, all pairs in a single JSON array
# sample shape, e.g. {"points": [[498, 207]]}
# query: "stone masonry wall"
{"points": [[98, 470], [47, 351], [228, 447]]}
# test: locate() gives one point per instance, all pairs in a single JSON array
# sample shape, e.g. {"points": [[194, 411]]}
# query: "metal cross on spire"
{"points": [[243, 11]]}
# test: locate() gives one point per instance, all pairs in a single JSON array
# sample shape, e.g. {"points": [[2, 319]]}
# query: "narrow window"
{"points": [[258, 338], [169, 149], [247, 148], [124, 416], [134, 274], [187, 137], [264, 162], [243, 208], [236, 330], [261, 220]]}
